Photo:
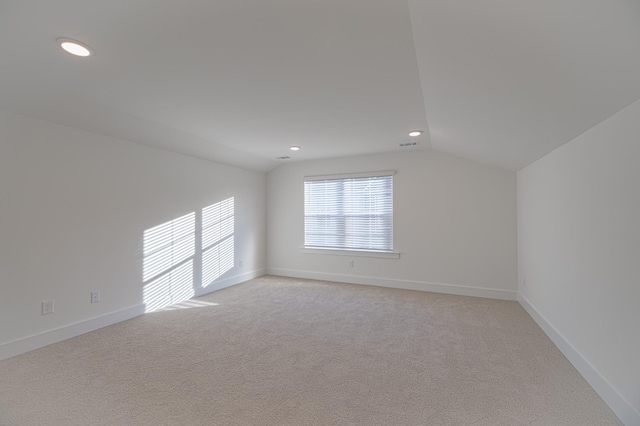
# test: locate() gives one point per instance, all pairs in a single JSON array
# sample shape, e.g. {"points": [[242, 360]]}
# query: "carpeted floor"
{"points": [[281, 351]]}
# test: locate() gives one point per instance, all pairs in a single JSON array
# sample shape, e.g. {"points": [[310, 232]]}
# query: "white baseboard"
{"points": [[29, 343], [625, 411], [402, 284], [45, 338], [228, 282]]}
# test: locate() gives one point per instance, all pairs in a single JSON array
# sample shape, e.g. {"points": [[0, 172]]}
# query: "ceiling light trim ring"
{"points": [[75, 47]]}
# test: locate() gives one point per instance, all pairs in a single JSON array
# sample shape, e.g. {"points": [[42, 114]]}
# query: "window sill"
{"points": [[348, 252]]}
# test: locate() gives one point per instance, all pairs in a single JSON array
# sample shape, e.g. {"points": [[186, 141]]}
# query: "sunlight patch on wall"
{"points": [[217, 240], [173, 287], [167, 267], [171, 264]]}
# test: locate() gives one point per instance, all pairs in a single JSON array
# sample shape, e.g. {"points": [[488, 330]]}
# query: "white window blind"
{"points": [[349, 212]]}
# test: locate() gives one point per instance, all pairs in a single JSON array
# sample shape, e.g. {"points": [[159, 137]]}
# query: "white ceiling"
{"points": [[239, 81]]}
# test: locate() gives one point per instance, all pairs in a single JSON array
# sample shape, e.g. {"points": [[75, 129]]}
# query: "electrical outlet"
{"points": [[47, 307], [240, 263], [351, 264], [95, 296], [524, 281]]}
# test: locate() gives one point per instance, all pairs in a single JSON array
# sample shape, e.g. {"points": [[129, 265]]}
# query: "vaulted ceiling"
{"points": [[240, 81]]}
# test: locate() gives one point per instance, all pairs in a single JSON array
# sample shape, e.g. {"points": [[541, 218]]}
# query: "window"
{"points": [[349, 212]]}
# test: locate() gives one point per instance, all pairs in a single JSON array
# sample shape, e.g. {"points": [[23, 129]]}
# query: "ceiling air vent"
{"points": [[408, 144], [282, 158]]}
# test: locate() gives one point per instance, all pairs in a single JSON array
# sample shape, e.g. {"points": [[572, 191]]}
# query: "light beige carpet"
{"points": [[279, 351]]}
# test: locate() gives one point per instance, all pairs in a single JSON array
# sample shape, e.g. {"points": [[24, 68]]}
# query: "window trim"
{"points": [[351, 175], [392, 254]]}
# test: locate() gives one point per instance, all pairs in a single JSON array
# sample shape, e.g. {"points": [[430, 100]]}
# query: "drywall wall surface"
{"points": [[74, 210], [454, 225], [579, 250]]}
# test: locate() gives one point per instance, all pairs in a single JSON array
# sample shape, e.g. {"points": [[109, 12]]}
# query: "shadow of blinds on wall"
{"points": [[167, 266], [217, 240]]}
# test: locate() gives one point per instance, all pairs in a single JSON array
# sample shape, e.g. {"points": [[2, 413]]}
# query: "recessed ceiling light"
{"points": [[415, 133], [74, 47], [295, 148]]}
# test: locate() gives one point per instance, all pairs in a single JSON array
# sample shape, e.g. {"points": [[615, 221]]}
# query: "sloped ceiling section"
{"points": [[208, 78], [240, 81], [506, 82]]}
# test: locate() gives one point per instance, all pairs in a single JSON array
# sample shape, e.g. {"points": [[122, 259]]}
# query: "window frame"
{"points": [[359, 252]]}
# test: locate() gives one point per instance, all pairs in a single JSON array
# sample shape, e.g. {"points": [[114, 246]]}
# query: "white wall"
{"points": [[579, 251], [74, 206], [454, 224]]}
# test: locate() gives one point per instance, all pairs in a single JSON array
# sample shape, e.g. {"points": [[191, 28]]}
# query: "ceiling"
{"points": [[502, 82]]}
